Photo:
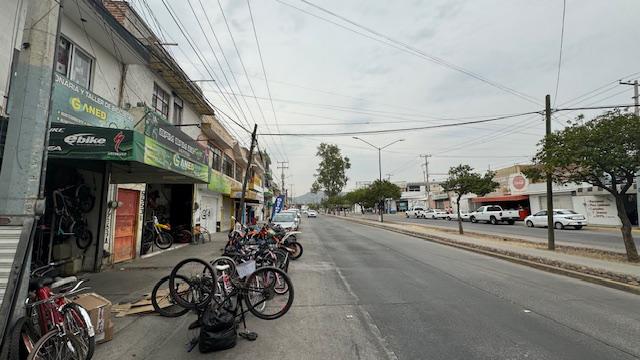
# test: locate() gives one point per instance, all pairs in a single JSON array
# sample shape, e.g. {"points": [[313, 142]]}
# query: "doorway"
{"points": [[126, 225]]}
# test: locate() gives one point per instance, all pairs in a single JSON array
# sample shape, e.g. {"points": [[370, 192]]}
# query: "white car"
{"points": [[561, 219], [434, 214], [415, 212], [312, 213], [286, 219], [464, 215]]}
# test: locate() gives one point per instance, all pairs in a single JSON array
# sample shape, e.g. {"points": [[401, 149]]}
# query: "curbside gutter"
{"points": [[592, 275]]}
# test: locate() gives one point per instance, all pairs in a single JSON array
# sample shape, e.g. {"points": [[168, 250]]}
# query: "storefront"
{"points": [[210, 198], [441, 201], [507, 202]]}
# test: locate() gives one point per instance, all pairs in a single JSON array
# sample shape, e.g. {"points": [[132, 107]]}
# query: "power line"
{"points": [[564, 11], [416, 52], [404, 129], [244, 69]]}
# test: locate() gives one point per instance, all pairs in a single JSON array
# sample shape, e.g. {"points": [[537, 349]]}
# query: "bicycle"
{"points": [[71, 211], [201, 234], [156, 233], [53, 328]]}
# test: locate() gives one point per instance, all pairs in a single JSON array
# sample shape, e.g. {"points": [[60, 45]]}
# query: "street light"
{"points": [[379, 161]]}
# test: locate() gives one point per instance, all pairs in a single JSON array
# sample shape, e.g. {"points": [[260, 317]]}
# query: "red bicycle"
{"points": [[54, 327]]}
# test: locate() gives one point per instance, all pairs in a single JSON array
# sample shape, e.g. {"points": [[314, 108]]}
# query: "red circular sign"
{"points": [[519, 182]]}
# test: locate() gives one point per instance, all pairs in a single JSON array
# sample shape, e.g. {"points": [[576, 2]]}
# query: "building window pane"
{"points": [[239, 173], [160, 100], [177, 111], [81, 72], [227, 166], [63, 56], [216, 158]]}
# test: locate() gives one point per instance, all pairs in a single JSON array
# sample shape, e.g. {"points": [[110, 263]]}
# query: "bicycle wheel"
{"points": [[276, 305], [282, 259], [205, 235], [162, 301], [83, 236], [184, 236], [23, 338], [200, 281], [164, 240], [85, 198], [297, 250], [56, 345], [76, 326]]}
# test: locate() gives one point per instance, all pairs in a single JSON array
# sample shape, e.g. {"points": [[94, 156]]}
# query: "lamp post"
{"points": [[380, 207]]}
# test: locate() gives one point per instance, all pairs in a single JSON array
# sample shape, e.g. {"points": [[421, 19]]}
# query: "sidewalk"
{"points": [[617, 274]]}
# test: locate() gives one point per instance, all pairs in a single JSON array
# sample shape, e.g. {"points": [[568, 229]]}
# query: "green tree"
{"points": [[462, 180], [384, 189], [603, 152], [331, 172]]}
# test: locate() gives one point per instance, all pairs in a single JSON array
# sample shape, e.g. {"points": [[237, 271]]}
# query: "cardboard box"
{"points": [[99, 310]]}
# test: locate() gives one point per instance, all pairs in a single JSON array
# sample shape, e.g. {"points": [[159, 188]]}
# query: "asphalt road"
{"points": [[606, 239], [429, 301]]}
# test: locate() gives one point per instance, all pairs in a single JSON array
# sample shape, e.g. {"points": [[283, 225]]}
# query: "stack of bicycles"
{"points": [[53, 328], [220, 292]]}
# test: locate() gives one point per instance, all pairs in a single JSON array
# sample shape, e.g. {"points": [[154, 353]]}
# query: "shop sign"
{"points": [[440, 196], [73, 104], [90, 142], [218, 183], [518, 183], [278, 205], [172, 138], [156, 154]]}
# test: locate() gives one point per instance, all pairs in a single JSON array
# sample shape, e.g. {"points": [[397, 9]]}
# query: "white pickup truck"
{"points": [[416, 212], [494, 214]]}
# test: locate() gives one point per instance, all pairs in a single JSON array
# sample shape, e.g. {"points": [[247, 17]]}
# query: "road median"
{"points": [[613, 274]]}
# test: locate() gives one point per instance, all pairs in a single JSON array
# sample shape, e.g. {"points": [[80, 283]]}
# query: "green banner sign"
{"points": [[172, 138], [156, 154], [74, 104], [218, 183], [90, 142]]}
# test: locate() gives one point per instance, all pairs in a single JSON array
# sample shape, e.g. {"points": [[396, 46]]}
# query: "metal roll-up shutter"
{"points": [[9, 239]]}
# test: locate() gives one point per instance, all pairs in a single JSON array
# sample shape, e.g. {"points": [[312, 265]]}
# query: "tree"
{"points": [[603, 152], [369, 196], [330, 174], [462, 180], [384, 189]]}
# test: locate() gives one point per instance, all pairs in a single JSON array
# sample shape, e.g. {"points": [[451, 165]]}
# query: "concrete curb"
{"points": [[512, 257]]}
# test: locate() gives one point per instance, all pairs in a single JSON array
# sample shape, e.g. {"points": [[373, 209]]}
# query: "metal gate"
{"points": [[124, 247], [208, 211]]}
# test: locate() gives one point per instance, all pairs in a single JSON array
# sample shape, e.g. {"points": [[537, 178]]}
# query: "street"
{"points": [[363, 292], [609, 239]]}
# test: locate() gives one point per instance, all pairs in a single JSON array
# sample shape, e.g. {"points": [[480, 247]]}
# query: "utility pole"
{"points": [[551, 238], [426, 176], [389, 177], [25, 152], [246, 174], [282, 165], [635, 97]]}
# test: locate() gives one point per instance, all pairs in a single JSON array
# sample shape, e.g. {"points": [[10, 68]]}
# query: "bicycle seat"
{"points": [[222, 267], [40, 282]]}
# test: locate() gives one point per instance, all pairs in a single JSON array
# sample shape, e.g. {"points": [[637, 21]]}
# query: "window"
{"points": [[239, 173], [178, 106], [73, 62], [565, 212], [160, 100], [216, 158], [227, 166], [541, 213], [413, 188], [494, 208]]}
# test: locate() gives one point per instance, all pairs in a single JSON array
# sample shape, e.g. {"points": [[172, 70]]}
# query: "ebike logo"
{"points": [[84, 139], [118, 139]]}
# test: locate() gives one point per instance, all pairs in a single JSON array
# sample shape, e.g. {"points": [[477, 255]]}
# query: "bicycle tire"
{"points": [[298, 250], [163, 240], [91, 340], [163, 311], [205, 235], [184, 236], [22, 332], [83, 237], [269, 291], [84, 198], [283, 259], [54, 335], [199, 300]]}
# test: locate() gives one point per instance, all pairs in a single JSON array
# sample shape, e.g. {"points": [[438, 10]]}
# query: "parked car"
{"points": [[494, 214], [312, 213], [286, 219], [415, 212], [464, 215], [561, 219], [434, 214]]}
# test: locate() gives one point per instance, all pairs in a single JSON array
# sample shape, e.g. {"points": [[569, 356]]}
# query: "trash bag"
{"points": [[217, 331]]}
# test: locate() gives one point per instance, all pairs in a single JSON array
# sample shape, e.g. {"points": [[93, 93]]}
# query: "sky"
{"points": [[478, 59]]}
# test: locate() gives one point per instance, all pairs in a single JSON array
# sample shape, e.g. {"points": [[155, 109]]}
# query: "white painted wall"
{"points": [[105, 79], [12, 17], [598, 209]]}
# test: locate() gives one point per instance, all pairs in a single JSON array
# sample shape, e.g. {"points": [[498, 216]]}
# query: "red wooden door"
{"points": [[126, 225]]}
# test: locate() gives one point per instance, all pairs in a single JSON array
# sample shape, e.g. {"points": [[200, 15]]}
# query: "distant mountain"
{"points": [[309, 198]]}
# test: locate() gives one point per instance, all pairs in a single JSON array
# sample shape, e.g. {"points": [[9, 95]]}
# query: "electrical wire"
{"points": [[564, 11]]}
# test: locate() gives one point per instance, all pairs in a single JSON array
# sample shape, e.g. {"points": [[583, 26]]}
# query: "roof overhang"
{"points": [[504, 198]]}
